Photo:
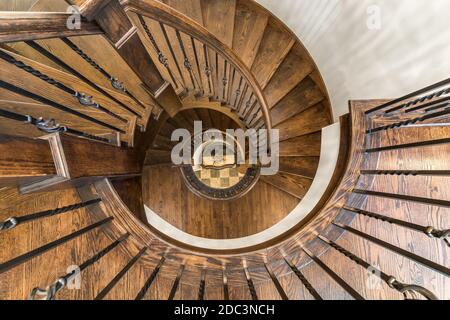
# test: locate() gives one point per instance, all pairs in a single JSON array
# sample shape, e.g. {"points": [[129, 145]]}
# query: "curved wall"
{"points": [[408, 51]]}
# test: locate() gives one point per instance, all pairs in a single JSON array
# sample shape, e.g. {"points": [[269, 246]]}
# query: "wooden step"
{"points": [[306, 145], [311, 120], [293, 70], [275, 45], [218, 18], [190, 8], [301, 166], [303, 96], [292, 184], [249, 29]]}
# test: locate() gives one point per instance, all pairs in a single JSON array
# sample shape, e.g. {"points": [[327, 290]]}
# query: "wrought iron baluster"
{"points": [[238, 93], [428, 263], [404, 123], [225, 79], [226, 293], [36, 252], [174, 57], [48, 126], [13, 222], [419, 100], [120, 275], [150, 280], [176, 283], [79, 75], [241, 100], [407, 172], [200, 82], [275, 281], [115, 83], [391, 281], [437, 202], [201, 288], [161, 57], [55, 105], [217, 74], [408, 96], [187, 63], [433, 105], [52, 290], [82, 98], [230, 87], [250, 284], [334, 276], [208, 70], [428, 230], [303, 279]]}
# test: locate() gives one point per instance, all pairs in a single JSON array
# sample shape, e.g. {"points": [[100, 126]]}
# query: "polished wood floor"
{"points": [[165, 192]]}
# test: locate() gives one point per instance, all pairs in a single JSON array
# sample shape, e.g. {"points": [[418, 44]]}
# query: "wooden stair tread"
{"points": [[303, 96], [301, 166], [249, 29], [190, 8], [295, 67], [306, 145], [218, 18], [311, 120], [275, 45], [292, 184]]}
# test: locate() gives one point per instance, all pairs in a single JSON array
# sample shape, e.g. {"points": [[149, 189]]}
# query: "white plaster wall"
{"points": [[409, 51]]}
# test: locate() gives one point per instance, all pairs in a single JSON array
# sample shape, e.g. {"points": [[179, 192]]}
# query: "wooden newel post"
{"points": [[59, 160], [121, 32]]}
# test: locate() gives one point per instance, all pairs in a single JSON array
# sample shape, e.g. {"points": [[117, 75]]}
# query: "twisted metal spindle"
{"points": [[428, 230], [13, 222], [52, 290], [391, 281]]}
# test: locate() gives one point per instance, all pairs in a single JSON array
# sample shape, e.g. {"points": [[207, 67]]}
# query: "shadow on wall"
{"points": [[370, 49]]}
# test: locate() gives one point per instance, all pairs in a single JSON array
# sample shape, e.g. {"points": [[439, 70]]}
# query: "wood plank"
{"points": [[190, 8], [24, 80], [311, 120], [218, 18], [249, 28], [307, 145], [302, 166], [275, 45], [254, 212], [305, 95], [292, 184], [22, 26], [26, 106], [24, 160], [294, 69]]}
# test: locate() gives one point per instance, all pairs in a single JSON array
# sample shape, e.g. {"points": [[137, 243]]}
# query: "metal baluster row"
{"points": [[52, 290], [82, 98], [50, 126], [55, 105], [79, 75], [211, 74], [409, 96]]}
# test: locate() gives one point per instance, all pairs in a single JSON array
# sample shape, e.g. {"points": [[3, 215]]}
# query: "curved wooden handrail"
{"points": [[166, 15], [285, 242]]}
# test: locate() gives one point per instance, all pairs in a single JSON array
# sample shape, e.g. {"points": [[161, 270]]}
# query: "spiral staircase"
{"points": [[93, 208]]}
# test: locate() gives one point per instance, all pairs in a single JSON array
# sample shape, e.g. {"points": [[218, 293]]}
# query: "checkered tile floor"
{"points": [[219, 179]]}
